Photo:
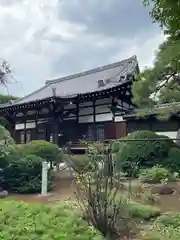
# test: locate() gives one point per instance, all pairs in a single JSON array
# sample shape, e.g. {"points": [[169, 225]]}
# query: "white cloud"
{"points": [[26, 30], [145, 51], [40, 44]]}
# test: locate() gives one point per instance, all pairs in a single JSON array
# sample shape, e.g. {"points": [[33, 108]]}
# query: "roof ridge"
{"points": [[101, 68], [88, 72]]}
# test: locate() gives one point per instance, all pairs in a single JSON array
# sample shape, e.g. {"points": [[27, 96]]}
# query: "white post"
{"points": [[44, 178]]}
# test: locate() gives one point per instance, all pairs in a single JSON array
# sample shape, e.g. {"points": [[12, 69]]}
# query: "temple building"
{"points": [[92, 105]]}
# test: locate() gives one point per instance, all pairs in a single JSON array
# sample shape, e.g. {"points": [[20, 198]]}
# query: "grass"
{"points": [[23, 221], [144, 212], [166, 227]]}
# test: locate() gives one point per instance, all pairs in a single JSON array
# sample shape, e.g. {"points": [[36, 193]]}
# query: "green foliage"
{"points": [[161, 79], [166, 227], [144, 212], [81, 162], [115, 146], [169, 219], [167, 14], [156, 174], [23, 175], [6, 98], [136, 154], [23, 221], [46, 150], [5, 136], [173, 159]]}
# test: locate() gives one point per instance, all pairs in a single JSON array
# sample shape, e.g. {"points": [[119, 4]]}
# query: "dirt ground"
{"points": [[64, 190]]}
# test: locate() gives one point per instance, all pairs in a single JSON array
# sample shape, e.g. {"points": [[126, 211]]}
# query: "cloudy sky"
{"points": [[45, 39]]}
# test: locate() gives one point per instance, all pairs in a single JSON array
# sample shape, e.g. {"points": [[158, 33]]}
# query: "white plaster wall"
{"points": [[83, 111], [119, 119], [101, 109], [104, 117], [84, 104], [29, 125], [86, 119], [70, 106], [19, 126], [171, 135]]}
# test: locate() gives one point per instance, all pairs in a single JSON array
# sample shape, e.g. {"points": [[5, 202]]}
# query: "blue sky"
{"points": [[43, 39]]}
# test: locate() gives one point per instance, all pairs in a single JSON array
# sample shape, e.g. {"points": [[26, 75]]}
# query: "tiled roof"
{"points": [[85, 82], [150, 111]]}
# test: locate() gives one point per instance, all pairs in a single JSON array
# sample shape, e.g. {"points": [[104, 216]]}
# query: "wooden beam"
{"points": [[77, 111], [94, 110]]}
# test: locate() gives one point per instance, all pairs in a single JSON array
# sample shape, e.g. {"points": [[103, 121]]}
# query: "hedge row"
{"points": [[22, 164], [136, 154]]}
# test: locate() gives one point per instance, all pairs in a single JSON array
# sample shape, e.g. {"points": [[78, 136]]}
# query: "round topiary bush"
{"points": [[173, 159], [24, 221], [24, 175], [144, 153], [46, 150]]}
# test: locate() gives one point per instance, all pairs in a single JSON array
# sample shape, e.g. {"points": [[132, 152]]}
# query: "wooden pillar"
{"points": [[55, 130], [77, 111], [94, 110], [36, 130], [94, 119], [113, 111], [25, 133]]}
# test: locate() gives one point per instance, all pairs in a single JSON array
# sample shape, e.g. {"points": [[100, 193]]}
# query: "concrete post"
{"points": [[44, 178]]}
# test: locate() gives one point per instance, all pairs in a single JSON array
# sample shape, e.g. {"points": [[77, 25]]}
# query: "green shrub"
{"points": [[166, 227], [156, 174], [23, 221], [138, 210], [46, 150], [81, 162], [115, 146], [169, 219], [144, 212], [24, 175], [173, 159], [5, 136], [134, 154]]}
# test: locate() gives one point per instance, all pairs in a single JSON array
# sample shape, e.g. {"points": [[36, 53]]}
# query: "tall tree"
{"points": [[167, 14], [161, 83]]}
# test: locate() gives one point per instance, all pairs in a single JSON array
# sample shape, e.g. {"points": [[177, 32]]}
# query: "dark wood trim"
{"points": [[25, 132], [77, 112], [94, 110]]}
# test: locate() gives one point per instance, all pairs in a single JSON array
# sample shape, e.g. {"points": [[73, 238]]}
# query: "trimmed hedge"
{"points": [[173, 159], [24, 221], [81, 162], [24, 175], [133, 155], [46, 150]]}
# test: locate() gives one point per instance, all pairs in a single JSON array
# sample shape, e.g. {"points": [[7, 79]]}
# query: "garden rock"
{"points": [[162, 189], [3, 194]]}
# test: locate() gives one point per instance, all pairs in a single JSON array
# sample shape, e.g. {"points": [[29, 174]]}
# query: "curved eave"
{"points": [[86, 96]]}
